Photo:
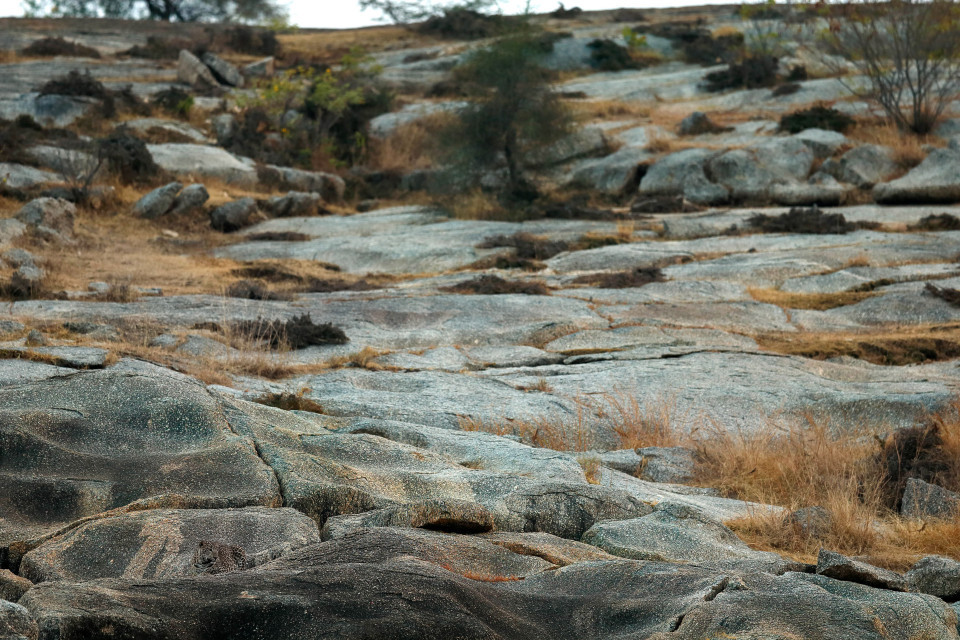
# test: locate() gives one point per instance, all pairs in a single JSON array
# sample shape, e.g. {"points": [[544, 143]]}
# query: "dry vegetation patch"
{"points": [[817, 301], [890, 346]]}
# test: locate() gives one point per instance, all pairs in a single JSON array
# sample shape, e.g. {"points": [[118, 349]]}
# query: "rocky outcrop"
{"points": [[936, 179], [924, 500]]}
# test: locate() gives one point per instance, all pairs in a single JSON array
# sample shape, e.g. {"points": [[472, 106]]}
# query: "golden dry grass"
{"points": [[884, 346], [412, 146], [817, 301], [610, 109], [315, 46], [907, 148]]}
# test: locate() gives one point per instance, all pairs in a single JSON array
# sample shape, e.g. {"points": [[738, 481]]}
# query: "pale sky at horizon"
{"points": [[343, 14]]}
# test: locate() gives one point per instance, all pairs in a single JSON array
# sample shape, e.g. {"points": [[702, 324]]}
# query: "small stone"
{"points": [[840, 567], [294, 204], [224, 126], [260, 69], [11, 326], [190, 200], [234, 215], [36, 339], [924, 500], [99, 287], [158, 202]]}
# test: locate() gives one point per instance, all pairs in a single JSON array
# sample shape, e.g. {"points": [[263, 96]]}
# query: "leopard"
{"points": [[217, 557]]}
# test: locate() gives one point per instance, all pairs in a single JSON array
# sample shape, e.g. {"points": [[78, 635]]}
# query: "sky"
{"points": [[341, 14]]}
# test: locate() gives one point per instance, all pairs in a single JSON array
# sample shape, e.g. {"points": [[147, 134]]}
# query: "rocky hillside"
{"points": [[708, 389]]}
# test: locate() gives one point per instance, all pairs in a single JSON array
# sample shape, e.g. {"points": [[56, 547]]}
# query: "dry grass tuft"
{"points": [[591, 468], [817, 301], [907, 148], [888, 346], [610, 109], [411, 146]]}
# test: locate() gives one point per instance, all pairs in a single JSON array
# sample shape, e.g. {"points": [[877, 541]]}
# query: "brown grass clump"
{"points": [[495, 285], [527, 246], [909, 345], [411, 146], [937, 222], [621, 279], [817, 301], [290, 401], [944, 293], [50, 47], [296, 333], [806, 220], [907, 150]]}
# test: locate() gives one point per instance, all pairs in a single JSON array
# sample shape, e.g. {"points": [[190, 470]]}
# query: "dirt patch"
{"points": [[495, 285], [621, 279]]}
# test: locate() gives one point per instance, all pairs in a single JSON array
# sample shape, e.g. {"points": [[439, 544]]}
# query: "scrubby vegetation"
{"points": [[56, 46], [495, 285], [816, 117], [298, 332], [806, 220]]}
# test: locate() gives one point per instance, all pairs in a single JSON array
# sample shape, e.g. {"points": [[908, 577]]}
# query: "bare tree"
{"points": [[906, 50]]}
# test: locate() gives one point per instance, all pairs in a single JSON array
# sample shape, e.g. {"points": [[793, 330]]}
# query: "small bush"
{"points": [[48, 47], [753, 72], [562, 13], [81, 84], [297, 333], [332, 285], [495, 285], [917, 452], [622, 279], [818, 117], [463, 23], [527, 246], [127, 157], [937, 222], [706, 50], [250, 40], [944, 293], [802, 220], [290, 401], [607, 55], [160, 48], [174, 101], [786, 89], [251, 290]]}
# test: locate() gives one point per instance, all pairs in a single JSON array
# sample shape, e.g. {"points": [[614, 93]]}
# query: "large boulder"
{"points": [[822, 142], [161, 543], [222, 70], [588, 141], [127, 437], [863, 166], [157, 202], [395, 583], [49, 218], [616, 173], [293, 204], [924, 500], [935, 180], [191, 71], [678, 533], [752, 173], [12, 586], [197, 161], [683, 173]]}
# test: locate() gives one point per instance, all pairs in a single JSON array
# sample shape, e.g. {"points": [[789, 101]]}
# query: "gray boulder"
{"points": [[683, 173], [936, 179], [260, 69], [20, 176], [588, 141], [752, 173], [224, 127], [678, 533], [49, 218], [223, 71], [698, 123], [937, 576], [822, 142], [615, 173], [924, 500], [330, 187], [667, 464], [191, 71], [18, 258], [160, 543], [814, 522], [190, 200], [158, 202], [293, 204], [197, 161], [235, 215], [16, 623], [840, 567], [821, 189], [863, 166]]}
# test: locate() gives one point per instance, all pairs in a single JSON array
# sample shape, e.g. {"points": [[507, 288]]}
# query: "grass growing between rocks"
{"points": [[888, 346], [816, 301]]}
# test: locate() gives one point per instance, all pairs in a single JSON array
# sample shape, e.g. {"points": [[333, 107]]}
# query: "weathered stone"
{"points": [[293, 204], [16, 623], [157, 202], [260, 69], [50, 218], [697, 124], [677, 533], [27, 281], [191, 161], [815, 522], [160, 543], [11, 326], [822, 142], [177, 130], [18, 258], [224, 127], [234, 215], [937, 576], [18, 176], [223, 71], [331, 187], [936, 179], [839, 567], [924, 500], [863, 166], [12, 586], [190, 200], [191, 71], [666, 464], [588, 141], [615, 174], [683, 173], [821, 189]]}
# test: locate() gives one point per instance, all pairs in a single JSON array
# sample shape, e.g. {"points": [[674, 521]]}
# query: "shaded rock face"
{"points": [[840, 567], [49, 218], [434, 585], [936, 179], [937, 576], [83, 444], [163, 543], [924, 500]]}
